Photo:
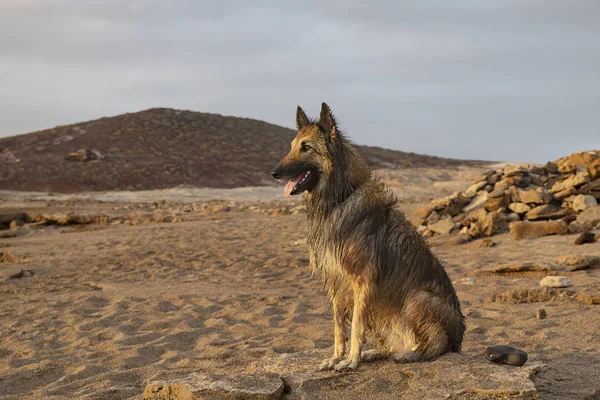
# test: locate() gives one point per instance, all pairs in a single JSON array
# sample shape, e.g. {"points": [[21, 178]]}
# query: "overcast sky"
{"points": [[503, 80]]}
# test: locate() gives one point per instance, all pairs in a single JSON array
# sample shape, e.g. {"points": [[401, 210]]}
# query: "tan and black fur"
{"points": [[379, 272]]}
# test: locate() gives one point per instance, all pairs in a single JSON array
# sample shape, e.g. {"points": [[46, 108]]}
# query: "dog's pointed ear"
{"points": [[302, 120], [327, 120]]}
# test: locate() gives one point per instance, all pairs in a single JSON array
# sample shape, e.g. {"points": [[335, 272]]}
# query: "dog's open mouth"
{"points": [[298, 185]]}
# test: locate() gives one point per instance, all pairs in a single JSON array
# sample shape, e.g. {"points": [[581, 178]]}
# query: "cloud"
{"points": [[511, 80]]}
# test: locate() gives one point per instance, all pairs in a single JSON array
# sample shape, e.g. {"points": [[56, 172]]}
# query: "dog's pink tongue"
{"points": [[291, 185], [287, 191]]}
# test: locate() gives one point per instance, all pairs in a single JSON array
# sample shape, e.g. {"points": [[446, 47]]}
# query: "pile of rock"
{"points": [[557, 198]]}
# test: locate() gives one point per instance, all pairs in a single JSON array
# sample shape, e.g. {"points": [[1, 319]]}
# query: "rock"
{"points": [[423, 212], [200, 385], [548, 211], [590, 296], [594, 170], [541, 314], [565, 193], [433, 217], [538, 180], [511, 170], [492, 223], [531, 230], [443, 226], [566, 168], [589, 187], [573, 181], [24, 273], [577, 262], [497, 203], [472, 190], [578, 227], [556, 282], [511, 268], [506, 355], [485, 176], [474, 230], [591, 215], [519, 208], [528, 296], [585, 237], [496, 193], [476, 203], [551, 168], [512, 217], [483, 243], [501, 185], [538, 196], [583, 202]]}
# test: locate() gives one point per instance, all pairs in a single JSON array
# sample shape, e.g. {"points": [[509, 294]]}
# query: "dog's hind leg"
{"points": [[359, 325], [339, 336]]}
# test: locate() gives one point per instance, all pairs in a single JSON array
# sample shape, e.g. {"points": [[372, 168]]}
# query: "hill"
{"points": [[162, 148]]}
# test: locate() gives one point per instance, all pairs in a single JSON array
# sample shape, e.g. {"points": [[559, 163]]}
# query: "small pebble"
{"points": [[541, 313], [506, 355], [556, 282]]}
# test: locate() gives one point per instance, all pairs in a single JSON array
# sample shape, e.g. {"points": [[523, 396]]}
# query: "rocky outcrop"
{"points": [[560, 196]]}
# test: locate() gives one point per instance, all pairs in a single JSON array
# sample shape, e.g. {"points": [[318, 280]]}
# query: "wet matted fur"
{"points": [[379, 272]]}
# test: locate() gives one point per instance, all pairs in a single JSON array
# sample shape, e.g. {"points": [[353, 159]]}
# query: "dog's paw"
{"points": [[346, 365], [328, 364]]}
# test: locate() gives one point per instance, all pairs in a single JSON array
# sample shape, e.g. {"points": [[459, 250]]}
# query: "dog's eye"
{"points": [[305, 147]]}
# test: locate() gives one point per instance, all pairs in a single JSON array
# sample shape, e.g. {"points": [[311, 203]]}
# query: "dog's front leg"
{"points": [[359, 323], [339, 337]]}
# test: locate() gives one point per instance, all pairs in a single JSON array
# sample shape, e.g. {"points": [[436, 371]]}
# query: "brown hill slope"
{"points": [[162, 148]]}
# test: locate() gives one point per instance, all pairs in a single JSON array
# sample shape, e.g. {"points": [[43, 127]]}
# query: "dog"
{"points": [[379, 272]]}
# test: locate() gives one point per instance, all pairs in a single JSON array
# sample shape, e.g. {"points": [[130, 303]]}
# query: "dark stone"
{"points": [[586, 237], [508, 355], [25, 273]]}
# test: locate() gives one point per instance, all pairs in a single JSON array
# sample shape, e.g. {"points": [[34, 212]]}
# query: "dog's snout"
{"points": [[276, 174]]}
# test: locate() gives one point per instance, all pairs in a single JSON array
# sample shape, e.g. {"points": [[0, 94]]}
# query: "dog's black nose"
{"points": [[276, 174]]}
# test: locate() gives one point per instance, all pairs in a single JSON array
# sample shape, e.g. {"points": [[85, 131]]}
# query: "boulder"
{"points": [[497, 203], [492, 223], [565, 193], [519, 208], [550, 168], [511, 170], [589, 187], [472, 191], [548, 211], [443, 226], [583, 202], [477, 202], [573, 181], [591, 216], [531, 230], [538, 196], [423, 212]]}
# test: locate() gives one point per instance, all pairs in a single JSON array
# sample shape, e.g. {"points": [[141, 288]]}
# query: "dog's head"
{"points": [[310, 157]]}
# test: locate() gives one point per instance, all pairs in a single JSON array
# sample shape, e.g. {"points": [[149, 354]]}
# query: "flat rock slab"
{"points": [[527, 268], [450, 376], [209, 386], [576, 262]]}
